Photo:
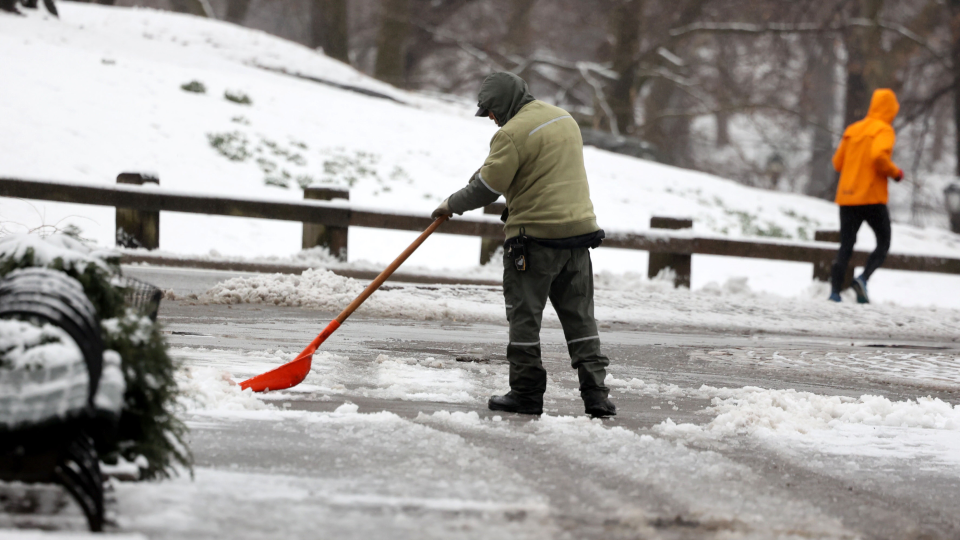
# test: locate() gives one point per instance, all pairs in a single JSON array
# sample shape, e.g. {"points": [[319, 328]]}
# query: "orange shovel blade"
{"points": [[292, 373], [286, 376]]}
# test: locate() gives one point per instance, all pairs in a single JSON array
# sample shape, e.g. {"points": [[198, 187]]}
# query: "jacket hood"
{"points": [[504, 94], [883, 106]]}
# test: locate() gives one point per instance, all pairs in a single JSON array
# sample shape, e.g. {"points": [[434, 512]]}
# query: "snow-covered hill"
{"points": [[100, 91]]}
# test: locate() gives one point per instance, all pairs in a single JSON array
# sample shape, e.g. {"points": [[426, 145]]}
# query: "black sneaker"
{"points": [[599, 407], [510, 403], [859, 286]]}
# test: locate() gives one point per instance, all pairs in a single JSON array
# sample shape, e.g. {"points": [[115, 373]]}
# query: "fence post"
{"points": [[822, 268], [317, 234], [138, 228], [488, 246], [679, 262], [951, 199]]}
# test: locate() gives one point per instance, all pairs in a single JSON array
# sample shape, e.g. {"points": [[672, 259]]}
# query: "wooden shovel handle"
{"points": [[388, 271]]}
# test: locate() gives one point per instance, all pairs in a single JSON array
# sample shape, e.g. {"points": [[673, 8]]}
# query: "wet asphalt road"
{"points": [[904, 500]]}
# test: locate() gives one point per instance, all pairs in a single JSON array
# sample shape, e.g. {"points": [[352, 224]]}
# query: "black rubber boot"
{"points": [[510, 403], [598, 405]]}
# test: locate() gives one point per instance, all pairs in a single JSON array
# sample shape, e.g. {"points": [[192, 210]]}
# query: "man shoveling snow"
{"points": [[536, 163]]}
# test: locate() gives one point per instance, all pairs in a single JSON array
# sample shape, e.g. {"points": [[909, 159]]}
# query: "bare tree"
{"points": [[237, 10], [391, 41], [625, 23], [329, 29], [519, 34], [820, 84]]}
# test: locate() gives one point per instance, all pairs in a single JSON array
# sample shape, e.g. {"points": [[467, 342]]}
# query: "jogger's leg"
{"points": [[572, 297], [878, 218], [850, 221]]}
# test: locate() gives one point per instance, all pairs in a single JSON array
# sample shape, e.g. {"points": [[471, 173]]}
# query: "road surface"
{"points": [[415, 454]]}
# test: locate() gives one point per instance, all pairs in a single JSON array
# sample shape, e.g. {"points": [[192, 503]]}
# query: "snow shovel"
{"points": [[292, 373]]}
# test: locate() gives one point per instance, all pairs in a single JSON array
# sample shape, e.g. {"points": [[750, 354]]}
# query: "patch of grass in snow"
{"points": [[273, 174], [749, 226], [231, 145], [240, 119], [288, 164], [808, 223], [399, 175], [195, 87], [281, 152], [237, 97], [347, 168]]}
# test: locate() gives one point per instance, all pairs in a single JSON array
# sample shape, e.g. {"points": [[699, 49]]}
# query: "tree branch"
{"points": [[806, 28]]}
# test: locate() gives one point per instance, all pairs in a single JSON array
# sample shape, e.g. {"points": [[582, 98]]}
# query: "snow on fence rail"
{"points": [[332, 215]]}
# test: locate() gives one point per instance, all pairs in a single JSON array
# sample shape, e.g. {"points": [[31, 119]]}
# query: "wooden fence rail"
{"points": [[333, 214]]}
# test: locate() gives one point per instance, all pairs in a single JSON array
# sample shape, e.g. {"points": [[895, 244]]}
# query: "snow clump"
{"points": [[43, 374], [206, 388], [754, 410]]}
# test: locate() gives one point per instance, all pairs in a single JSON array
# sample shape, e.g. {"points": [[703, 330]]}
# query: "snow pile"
{"points": [[757, 411], [315, 288], [112, 385], [320, 257], [48, 251], [412, 379], [455, 418], [211, 389], [347, 408], [652, 304], [43, 374], [323, 290], [638, 386]]}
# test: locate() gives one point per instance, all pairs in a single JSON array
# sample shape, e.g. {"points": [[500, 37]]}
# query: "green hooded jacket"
{"points": [[535, 162]]}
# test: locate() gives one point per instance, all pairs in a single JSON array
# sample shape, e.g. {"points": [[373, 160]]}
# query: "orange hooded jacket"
{"points": [[863, 158]]}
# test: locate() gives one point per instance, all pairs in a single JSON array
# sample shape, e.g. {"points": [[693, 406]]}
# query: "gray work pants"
{"points": [[565, 276]]}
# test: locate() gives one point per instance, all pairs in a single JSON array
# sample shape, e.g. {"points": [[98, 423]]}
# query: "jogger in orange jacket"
{"points": [[864, 162]]}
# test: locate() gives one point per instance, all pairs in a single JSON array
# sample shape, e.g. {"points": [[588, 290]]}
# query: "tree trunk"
{"points": [[237, 10], [328, 28], [391, 41], [867, 65], [517, 40], [821, 83], [670, 136], [954, 6], [625, 21], [200, 8], [726, 87]]}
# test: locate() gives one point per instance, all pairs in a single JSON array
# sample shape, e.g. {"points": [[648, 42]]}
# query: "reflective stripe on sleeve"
{"points": [[485, 184]]}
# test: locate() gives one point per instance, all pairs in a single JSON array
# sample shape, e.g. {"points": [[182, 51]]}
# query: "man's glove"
{"points": [[442, 210], [899, 176]]}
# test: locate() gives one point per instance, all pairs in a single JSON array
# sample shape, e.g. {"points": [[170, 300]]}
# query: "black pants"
{"points": [[851, 217]]}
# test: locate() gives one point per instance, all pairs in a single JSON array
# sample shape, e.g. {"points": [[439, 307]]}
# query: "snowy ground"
{"points": [[718, 436], [108, 98]]}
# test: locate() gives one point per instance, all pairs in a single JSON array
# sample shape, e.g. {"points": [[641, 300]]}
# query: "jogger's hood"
{"points": [[504, 94], [883, 105]]}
